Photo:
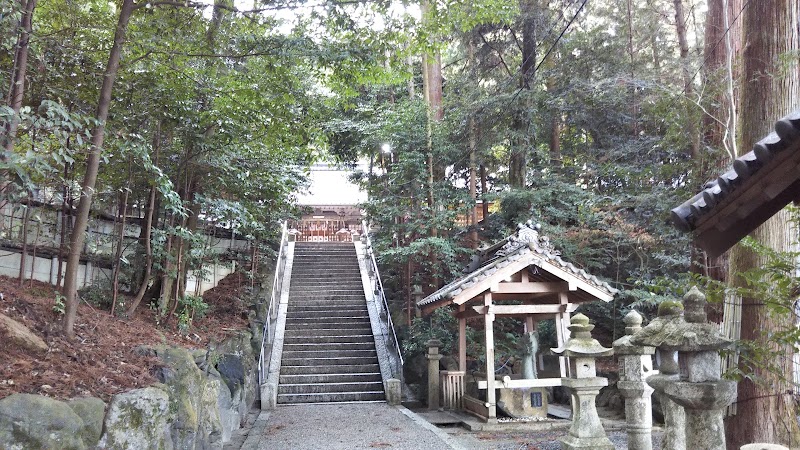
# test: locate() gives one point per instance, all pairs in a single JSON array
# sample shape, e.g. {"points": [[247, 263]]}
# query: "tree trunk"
{"points": [[24, 255], [688, 88], [92, 168], [484, 197], [722, 36], [555, 140], [66, 215], [147, 231], [17, 89], [33, 252], [722, 50], [123, 213], [518, 159], [766, 409], [167, 268], [16, 94], [473, 161]]}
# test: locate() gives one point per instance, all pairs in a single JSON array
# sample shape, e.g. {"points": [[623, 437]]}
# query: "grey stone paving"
{"points": [[540, 440], [345, 426]]}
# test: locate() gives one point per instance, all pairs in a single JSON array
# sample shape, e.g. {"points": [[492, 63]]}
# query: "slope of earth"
{"points": [[102, 360]]}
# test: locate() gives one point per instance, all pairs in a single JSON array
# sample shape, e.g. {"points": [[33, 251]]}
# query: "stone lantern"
{"points": [[586, 431], [635, 365], [696, 385], [433, 356]]}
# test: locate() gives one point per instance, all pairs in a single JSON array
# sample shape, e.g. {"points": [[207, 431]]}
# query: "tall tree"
{"points": [[16, 92], [78, 235], [766, 407], [518, 158]]}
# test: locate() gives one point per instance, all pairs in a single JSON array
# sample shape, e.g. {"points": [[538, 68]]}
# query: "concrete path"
{"points": [[345, 426]]}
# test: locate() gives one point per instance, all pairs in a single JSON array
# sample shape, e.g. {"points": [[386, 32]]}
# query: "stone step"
{"points": [[343, 287], [326, 294], [329, 332], [301, 337], [318, 319], [331, 369], [308, 277], [356, 308], [334, 300], [333, 330], [329, 346], [334, 279], [328, 388], [337, 397], [327, 258], [330, 313], [357, 377], [306, 269], [313, 305], [311, 331], [323, 288], [316, 250], [308, 354], [349, 360], [350, 279], [330, 292], [330, 249]]}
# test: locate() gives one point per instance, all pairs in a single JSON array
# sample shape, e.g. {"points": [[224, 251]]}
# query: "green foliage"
{"points": [[59, 307], [441, 325], [97, 294], [190, 307]]}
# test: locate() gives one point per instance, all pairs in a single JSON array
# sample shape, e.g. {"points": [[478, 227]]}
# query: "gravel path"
{"points": [[341, 426], [546, 440], [346, 426]]}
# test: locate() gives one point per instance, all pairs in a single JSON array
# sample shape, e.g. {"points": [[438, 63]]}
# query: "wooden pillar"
{"points": [[560, 341], [563, 322], [488, 318], [462, 340]]}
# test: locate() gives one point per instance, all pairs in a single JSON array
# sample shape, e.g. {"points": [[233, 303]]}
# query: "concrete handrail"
{"points": [[377, 289], [272, 309]]}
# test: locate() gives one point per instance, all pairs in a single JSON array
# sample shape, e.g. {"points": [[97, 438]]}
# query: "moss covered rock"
{"points": [[138, 419], [92, 411], [33, 421]]}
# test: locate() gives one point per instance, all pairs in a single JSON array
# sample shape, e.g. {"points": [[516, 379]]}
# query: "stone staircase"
{"points": [[328, 351]]}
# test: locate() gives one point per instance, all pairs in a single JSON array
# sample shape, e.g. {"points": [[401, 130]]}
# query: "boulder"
{"points": [[228, 411], [32, 421], [211, 434], [195, 423], [21, 335], [183, 380], [523, 402], [92, 411], [138, 419], [238, 368]]}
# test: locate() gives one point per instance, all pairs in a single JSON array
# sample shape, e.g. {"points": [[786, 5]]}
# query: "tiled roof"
{"points": [[527, 244], [687, 215]]}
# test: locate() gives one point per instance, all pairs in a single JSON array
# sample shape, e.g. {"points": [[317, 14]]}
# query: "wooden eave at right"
{"points": [[765, 193]]}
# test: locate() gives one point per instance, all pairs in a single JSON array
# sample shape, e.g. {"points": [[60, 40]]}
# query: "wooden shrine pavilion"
{"points": [[525, 278]]}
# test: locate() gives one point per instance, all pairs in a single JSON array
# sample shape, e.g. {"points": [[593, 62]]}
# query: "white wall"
{"points": [[43, 232]]}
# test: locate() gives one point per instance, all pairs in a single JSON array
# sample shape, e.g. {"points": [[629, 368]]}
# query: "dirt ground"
{"points": [[101, 361]]}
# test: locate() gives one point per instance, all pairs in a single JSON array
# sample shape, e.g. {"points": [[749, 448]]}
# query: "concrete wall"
{"points": [[43, 232]]}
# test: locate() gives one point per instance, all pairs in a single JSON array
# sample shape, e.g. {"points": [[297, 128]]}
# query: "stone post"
{"points": [[394, 395], [698, 386], [635, 364], [529, 345], [433, 357], [586, 431], [674, 416]]}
